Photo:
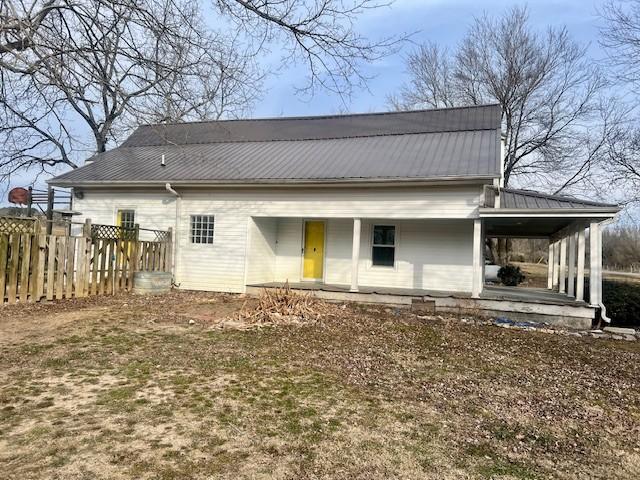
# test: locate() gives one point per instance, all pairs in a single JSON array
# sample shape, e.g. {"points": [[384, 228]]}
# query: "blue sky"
{"points": [[434, 20]]}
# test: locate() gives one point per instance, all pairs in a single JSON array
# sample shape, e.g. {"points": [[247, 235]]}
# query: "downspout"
{"points": [[603, 309], [174, 254]]}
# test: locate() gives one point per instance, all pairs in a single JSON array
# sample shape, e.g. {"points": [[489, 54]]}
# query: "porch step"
{"points": [[423, 306]]}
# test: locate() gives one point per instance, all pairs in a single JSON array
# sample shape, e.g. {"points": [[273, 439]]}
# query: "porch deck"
{"points": [[490, 292], [536, 295], [534, 304]]}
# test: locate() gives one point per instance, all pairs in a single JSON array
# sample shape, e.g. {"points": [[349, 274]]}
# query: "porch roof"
{"points": [[511, 198], [525, 213]]}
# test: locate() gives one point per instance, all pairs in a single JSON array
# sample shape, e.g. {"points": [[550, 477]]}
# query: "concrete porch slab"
{"points": [[516, 303]]}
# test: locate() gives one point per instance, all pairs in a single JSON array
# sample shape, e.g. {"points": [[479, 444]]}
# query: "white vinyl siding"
{"points": [[261, 250], [405, 202], [430, 255], [289, 249], [225, 265], [153, 210], [218, 267]]}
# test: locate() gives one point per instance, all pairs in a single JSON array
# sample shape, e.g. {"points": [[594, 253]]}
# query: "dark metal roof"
{"points": [[529, 214], [427, 144], [318, 128], [513, 199]]}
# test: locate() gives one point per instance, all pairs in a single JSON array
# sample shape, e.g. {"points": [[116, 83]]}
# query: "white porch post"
{"points": [[563, 265], [571, 289], [581, 254], [550, 266], [478, 258], [595, 265], [355, 254], [556, 270]]}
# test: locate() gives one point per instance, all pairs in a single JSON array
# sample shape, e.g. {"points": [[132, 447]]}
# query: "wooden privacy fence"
{"points": [[34, 266]]}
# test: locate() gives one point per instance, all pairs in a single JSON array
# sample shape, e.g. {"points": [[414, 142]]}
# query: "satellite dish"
{"points": [[19, 196]]}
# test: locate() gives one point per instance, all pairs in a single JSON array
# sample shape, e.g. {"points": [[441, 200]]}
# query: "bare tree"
{"points": [[548, 90], [77, 74], [321, 34], [623, 163], [621, 248], [93, 69], [620, 37]]}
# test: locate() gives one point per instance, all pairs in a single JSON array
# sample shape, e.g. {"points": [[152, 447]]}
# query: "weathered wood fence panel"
{"points": [[35, 266]]}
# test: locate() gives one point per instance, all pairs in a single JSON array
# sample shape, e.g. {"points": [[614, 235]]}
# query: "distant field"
{"points": [[537, 275]]}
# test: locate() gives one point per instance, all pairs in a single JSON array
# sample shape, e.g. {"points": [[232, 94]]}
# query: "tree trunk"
{"points": [[490, 248], [503, 250]]}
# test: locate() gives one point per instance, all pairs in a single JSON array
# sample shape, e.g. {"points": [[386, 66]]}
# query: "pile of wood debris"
{"points": [[282, 306]]}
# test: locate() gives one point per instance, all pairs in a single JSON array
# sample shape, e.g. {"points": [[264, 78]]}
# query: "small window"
{"points": [[127, 219], [384, 246], [202, 228]]}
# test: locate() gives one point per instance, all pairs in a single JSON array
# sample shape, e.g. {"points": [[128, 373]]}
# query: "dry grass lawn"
{"points": [[123, 387]]}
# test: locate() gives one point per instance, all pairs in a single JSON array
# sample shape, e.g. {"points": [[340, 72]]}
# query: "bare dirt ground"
{"points": [[123, 387]]}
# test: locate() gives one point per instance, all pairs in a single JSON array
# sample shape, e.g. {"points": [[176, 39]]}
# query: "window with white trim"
{"points": [[383, 252], [127, 219], [202, 228]]}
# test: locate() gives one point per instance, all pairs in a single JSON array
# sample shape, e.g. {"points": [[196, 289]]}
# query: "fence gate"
{"points": [[100, 261]]}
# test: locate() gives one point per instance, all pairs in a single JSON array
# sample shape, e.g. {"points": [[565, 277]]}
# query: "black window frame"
{"points": [[202, 229], [385, 246]]}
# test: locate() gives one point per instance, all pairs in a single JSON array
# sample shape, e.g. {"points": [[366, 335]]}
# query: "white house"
{"points": [[395, 206]]}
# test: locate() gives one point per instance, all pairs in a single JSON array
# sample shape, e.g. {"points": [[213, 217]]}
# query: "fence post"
{"points": [[50, 203], [4, 253], [87, 264], [135, 261], [36, 267], [30, 202], [136, 249], [86, 228]]}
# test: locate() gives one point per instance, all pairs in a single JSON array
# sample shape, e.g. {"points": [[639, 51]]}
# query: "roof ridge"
{"points": [[310, 139], [318, 117]]}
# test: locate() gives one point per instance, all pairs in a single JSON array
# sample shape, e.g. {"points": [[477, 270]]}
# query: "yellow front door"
{"points": [[313, 250]]}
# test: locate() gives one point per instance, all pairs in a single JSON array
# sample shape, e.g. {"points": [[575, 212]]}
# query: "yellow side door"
{"points": [[313, 250], [124, 218]]}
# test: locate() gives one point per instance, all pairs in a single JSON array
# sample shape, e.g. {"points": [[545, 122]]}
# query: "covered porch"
{"points": [[573, 229], [438, 262], [356, 254]]}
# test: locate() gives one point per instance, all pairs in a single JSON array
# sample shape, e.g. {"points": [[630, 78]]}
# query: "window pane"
{"points": [[127, 219], [384, 235], [202, 228], [384, 256]]}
